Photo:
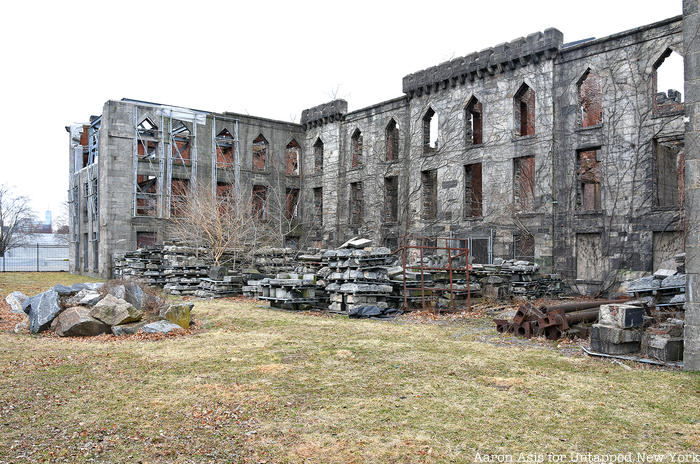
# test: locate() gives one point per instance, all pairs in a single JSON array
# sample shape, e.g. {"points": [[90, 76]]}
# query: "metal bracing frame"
{"points": [[219, 143], [93, 141], [173, 153], [141, 138]]}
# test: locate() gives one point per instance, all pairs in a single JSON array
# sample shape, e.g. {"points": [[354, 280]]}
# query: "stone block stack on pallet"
{"points": [[184, 269], [145, 264], [515, 278], [290, 291], [358, 281]]}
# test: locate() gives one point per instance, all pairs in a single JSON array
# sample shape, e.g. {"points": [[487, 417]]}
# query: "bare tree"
{"points": [[16, 218], [227, 226]]}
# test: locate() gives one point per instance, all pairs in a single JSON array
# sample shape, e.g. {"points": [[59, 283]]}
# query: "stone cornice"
{"points": [[321, 114], [519, 52]]}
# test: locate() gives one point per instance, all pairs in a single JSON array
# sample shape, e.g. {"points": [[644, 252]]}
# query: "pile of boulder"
{"points": [[89, 309]]}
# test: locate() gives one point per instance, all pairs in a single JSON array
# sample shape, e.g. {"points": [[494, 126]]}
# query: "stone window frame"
{"points": [[292, 144], [656, 110], [319, 154], [469, 136], [426, 121], [579, 100], [396, 140], [523, 88], [261, 140], [356, 149]]}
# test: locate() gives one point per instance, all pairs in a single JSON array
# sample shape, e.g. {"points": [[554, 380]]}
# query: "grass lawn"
{"points": [[260, 385]]}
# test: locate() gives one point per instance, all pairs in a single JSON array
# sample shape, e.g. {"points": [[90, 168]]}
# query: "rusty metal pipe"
{"points": [[582, 316]]}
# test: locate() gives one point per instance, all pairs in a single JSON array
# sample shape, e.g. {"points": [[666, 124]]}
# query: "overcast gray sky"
{"points": [[63, 60]]}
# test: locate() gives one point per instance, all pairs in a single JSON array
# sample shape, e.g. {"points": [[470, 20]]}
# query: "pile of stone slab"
{"points": [[271, 261], [506, 279], [89, 309], [289, 291], [145, 264], [229, 285], [306, 262], [357, 280], [185, 267], [652, 327]]}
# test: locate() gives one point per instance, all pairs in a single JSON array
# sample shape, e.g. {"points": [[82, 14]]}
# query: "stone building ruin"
{"points": [[563, 154]]}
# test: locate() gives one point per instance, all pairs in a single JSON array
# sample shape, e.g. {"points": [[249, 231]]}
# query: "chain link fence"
{"points": [[35, 258]]}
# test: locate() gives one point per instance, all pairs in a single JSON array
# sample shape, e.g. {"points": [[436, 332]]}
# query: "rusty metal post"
{"points": [[403, 253], [422, 279], [449, 267], [466, 270]]}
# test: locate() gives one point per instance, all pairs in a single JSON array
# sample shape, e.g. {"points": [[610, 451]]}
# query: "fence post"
{"points": [[37, 257], [3, 261]]}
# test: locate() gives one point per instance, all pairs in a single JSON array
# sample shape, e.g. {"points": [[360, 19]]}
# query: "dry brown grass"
{"points": [[261, 385]]}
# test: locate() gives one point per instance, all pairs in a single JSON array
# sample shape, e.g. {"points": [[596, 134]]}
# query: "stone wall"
{"points": [[691, 43]]}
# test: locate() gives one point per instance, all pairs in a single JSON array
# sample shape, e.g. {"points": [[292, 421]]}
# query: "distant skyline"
{"points": [[270, 59]]}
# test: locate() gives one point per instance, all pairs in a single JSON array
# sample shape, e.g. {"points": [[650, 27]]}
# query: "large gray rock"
{"points": [[84, 297], [128, 329], [16, 301], [160, 327], [93, 286], [63, 290], [118, 291], [135, 295], [76, 322], [115, 311], [178, 314], [44, 308]]}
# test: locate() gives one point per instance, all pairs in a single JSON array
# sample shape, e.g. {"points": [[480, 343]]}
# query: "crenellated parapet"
{"points": [[506, 56], [321, 114]]}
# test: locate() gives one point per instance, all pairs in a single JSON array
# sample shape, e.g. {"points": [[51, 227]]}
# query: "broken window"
{"points": [[524, 247], [524, 183], [472, 191], [429, 187], [430, 131], [589, 258], [259, 153], [590, 92], [144, 239], [146, 195], [292, 201], [85, 142], [524, 106], [318, 205], [668, 74], [224, 149], [356, 142], [588, 174], [147, 127], [147, 149], [318, 156], [668, 173], [260, 202], [292, 154], [472, 118], [392, 141], [180, 143], [391, 198], [179, 189], [356, 203]]}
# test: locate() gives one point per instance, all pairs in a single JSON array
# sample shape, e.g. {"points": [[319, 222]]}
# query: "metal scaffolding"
{"points": [[181, 141], [149, 162]]}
